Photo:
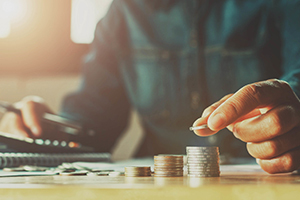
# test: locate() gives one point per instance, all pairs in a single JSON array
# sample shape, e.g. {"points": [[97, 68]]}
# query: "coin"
{"points": [[167, 175], [203, 175], [137, 171], [202, 147], [203, 161], [76, 173], [168, 165]]}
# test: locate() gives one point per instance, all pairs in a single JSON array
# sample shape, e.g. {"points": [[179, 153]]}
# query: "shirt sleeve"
{"points": [[101, 103], [287, 14]]}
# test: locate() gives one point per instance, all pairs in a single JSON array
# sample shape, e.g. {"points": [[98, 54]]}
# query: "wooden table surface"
{"points": [[230, 185]]}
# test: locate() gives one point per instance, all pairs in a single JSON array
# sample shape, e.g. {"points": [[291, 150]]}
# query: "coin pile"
{"points": [[137, 171], [168, 165], [203, 161]]}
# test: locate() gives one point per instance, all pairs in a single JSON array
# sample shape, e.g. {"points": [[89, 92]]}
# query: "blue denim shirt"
{"points": [[170, 59]]}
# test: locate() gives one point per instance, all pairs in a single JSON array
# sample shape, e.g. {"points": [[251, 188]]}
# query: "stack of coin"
{"points": [[203, 161], [168, 165], [137, 171]]}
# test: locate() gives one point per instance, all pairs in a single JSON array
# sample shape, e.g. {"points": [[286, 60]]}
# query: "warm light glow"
{"points": [[85, 15], [10, 12], [14, 9], [4, 26]]}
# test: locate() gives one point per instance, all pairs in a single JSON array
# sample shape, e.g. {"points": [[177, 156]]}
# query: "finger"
{"points": [[253, 113], [257, 95], [31, 113], [13, 123], [205, 115], [287, 162], [205, 131], [275, 122], [214, 106], [276, 146]]}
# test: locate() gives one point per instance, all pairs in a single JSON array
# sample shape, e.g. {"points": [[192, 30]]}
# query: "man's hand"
{"points": [[28, 123], [266, 115]]}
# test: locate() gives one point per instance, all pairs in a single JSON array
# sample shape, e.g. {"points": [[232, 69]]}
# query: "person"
{"points": [[170, 59]]}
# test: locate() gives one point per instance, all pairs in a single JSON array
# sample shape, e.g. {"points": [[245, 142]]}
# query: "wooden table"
{"points": [[231, 185]]}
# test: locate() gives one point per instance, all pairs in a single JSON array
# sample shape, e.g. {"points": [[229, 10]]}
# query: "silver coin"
{"points": [[167, 175], [203, 155], [205, 175], [168, 168], [201, 147], [168, 164], [209, 164], [168, 172], [168, 157], [202, 158], [197, 172], [203, 171], [202, 162], [169, 161], [204, 168], [202, 152]]}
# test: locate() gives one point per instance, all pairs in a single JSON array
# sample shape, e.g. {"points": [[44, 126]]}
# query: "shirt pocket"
{"points": [[147, 81], [229, 70]]}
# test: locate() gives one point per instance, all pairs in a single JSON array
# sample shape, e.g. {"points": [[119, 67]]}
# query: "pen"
{"points": [[204, 126], [65, 125]]}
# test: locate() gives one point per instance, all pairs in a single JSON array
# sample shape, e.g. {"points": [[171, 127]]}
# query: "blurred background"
{"points": [[42, 43]]}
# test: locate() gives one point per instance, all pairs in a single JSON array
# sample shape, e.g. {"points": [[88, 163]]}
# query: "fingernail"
{"points": [[35, 131], [216, 122], [258, 161], [205, 114]]}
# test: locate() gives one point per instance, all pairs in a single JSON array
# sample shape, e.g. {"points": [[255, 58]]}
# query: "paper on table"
{"points": [[10, 174], [117, 166]]}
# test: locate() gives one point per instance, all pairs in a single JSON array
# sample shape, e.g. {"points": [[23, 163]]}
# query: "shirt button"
{"points": [[165, 55]]}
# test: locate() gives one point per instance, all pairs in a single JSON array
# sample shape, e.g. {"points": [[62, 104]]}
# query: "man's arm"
{"points": [[266, 115], [101, 102], [287, 15]]}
